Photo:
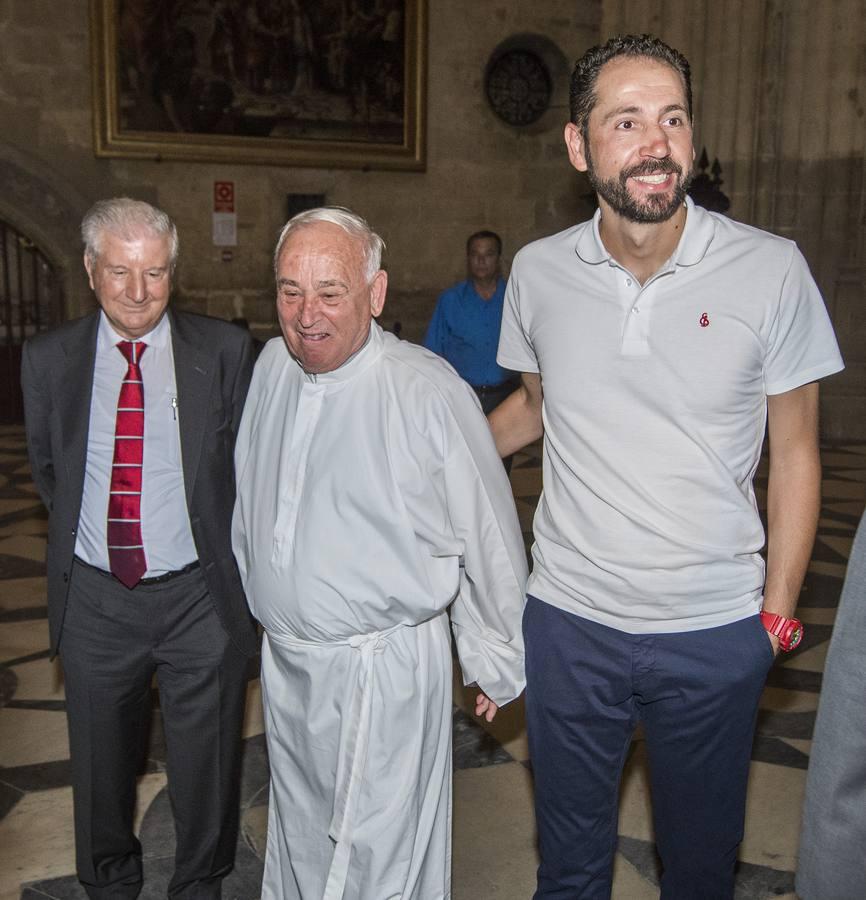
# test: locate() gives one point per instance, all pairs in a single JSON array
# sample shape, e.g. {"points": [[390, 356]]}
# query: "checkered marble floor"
{"points": [[494, 855]]}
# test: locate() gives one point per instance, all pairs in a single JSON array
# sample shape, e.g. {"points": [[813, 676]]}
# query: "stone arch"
{"points": [[36, 202]]}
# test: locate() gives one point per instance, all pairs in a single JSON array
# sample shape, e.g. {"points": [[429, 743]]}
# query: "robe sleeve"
{"points": [[487, 612]]}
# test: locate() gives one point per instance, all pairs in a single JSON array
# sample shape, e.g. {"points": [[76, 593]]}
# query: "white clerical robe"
{"points": [[369, 500]]}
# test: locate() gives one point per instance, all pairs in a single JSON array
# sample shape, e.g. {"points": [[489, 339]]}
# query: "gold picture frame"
{"points": [[325, 83]]}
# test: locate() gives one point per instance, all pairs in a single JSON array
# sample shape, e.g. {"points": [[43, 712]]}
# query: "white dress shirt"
{"points": [[165, 528]]}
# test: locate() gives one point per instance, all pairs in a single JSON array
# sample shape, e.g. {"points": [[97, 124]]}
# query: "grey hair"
{"points": [[371, 244], [126, 218]]}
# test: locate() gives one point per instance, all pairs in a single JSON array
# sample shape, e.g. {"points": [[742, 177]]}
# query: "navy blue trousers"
{"points": [[696, 695]]}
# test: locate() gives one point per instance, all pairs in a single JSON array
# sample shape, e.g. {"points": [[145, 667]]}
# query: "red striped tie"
{"points": [[125, 546]]}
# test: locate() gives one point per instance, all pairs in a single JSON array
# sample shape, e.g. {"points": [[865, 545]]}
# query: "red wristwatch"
{"points": [[788, 631]]}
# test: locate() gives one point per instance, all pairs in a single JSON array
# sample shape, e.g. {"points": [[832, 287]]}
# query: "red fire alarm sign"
{"points": [[224, 196]]}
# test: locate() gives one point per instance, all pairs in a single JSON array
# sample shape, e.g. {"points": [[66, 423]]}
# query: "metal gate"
{"points": [[31, 298]]}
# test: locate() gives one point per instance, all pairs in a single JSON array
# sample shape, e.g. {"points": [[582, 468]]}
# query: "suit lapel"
{"points": [[194, 373], [73, 389]]}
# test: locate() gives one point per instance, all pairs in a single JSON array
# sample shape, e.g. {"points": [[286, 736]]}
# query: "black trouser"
{"points": [[490, 396], [114, 640]]}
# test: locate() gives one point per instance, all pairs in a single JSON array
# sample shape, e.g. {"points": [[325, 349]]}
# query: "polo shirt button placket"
{"points": [[635, 337]]}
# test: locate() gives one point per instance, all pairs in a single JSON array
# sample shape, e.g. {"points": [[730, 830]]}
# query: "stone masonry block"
{"points": [[31, 47], [68, 129], [50, 15]]}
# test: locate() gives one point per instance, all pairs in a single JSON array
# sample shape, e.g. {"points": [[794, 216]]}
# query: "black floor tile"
{"points": [[753, 882], [795, 679], [9, 797], [8, 685], [23, 614], [255, 773], [473, 746], [19, 567], [794, 725], [65, 888], [44, 705], [778, 752], [44, 776], [820, 591], [825, 553], [30, 657]]}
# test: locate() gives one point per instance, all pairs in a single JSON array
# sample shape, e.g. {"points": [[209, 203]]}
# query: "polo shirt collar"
{"points": [[697, 235], [694, 243]]}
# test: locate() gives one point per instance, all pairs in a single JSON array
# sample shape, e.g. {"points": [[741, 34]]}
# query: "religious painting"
{"points": [[284, 82]]}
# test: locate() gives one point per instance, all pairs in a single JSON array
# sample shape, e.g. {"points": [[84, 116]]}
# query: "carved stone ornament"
{"points": [[518, 86]]}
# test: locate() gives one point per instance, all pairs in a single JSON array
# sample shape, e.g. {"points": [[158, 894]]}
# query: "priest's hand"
{"points": [[485, 707]]}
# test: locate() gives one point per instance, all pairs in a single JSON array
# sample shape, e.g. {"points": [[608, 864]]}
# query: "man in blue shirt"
{"points": [[465, 324]]}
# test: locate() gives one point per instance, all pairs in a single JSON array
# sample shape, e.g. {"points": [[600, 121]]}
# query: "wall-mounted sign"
{"points": [[225, 219], [223, 196]]}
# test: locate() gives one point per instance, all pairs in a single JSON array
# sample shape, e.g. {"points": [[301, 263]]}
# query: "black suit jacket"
{"points": [[213, 362]]}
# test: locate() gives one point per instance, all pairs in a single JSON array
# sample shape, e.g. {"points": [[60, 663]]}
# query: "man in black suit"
{"points": [[131, 419]]}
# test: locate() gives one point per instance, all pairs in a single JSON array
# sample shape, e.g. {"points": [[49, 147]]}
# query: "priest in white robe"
{"points": [[370, 503]]}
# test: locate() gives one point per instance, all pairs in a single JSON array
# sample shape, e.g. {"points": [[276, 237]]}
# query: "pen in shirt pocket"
{"points": [[174, 408]]}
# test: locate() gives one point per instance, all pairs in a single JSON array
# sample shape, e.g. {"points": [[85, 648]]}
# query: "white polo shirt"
{"points": [[654, 415]]}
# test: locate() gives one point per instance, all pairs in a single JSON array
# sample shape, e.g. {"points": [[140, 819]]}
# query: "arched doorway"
{"points": [[31, 300]]}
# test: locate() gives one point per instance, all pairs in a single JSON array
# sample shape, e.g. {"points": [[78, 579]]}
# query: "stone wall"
{"points": [[480, 172], [780, 89]]}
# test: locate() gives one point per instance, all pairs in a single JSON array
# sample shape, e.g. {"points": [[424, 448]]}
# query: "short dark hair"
{"points": [[583, 98], [492, 235]]}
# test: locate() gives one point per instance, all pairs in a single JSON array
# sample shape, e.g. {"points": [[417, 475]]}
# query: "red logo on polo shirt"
{"points": [[704, 320]]}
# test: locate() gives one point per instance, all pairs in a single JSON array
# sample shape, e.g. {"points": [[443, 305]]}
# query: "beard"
{"points": [[650, 208]]}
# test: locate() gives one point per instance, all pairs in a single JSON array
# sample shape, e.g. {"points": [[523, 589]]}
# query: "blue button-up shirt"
{"points": [[465, 331]]}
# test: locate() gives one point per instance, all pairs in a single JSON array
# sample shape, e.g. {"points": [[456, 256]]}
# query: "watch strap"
{"points": [[788, 631], [773, 622]]}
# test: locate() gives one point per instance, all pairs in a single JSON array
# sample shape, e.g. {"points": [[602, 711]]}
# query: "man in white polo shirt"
{"points": [[657, 341]]}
